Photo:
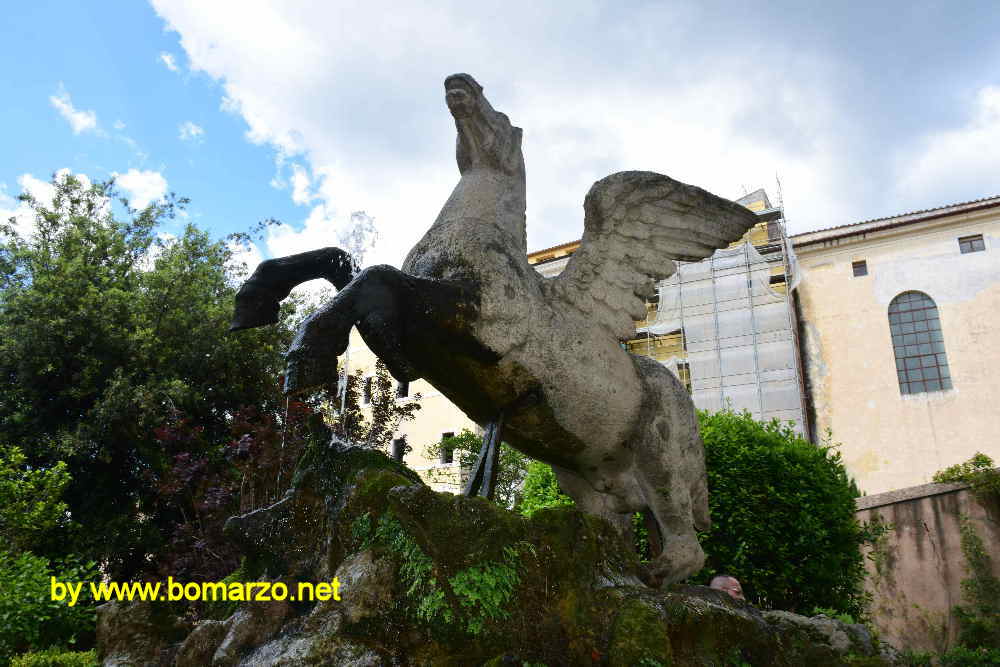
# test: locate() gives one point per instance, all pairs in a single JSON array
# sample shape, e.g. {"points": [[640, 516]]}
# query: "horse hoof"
{"points": [[298, 377], [305, 372], [680, 559]]}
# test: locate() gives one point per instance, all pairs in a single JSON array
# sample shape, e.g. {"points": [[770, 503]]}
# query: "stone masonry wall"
{"points": [[915, 571]]}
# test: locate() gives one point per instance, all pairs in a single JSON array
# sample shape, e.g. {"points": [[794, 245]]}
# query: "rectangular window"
{"points": [[366, 392], [398, 448], [403, 390], [860, 268], [971, 243], [447, 455]]}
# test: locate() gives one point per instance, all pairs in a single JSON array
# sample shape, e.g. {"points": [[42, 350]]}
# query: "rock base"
{"points": [[434, 579]]}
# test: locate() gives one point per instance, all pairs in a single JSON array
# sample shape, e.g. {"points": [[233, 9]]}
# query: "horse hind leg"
{"points": [[668, 501], [670, 472], [589, 500]]}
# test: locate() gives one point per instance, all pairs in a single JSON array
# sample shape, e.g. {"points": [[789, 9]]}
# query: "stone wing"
{"points": [[636, 223]]}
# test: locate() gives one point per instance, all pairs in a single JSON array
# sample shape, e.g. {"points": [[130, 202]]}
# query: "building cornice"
{"points": [[834, 235]]}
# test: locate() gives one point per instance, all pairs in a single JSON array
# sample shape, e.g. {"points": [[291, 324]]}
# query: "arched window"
{"points": [[921, 364]]}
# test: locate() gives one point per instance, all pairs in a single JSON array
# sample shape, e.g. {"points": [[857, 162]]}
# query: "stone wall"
{"points": [[915, 571]]}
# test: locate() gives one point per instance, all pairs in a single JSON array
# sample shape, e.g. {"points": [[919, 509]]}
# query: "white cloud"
{"points": [[596, 91], [79, 120], [119, 125], [300, 185], [11, 208], [188, 131], [954, 164], [5, 199], [168, 59], [43, 191], [143, 187]]}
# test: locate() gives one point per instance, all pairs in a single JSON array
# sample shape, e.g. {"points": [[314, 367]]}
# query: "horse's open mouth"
{"points": [[459, 101]]}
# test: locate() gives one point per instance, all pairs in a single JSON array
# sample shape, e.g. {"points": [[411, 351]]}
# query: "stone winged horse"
{"points": [[540, 356]]}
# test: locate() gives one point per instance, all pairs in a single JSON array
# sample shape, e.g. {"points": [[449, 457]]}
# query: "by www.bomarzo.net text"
{"points": [[172, 591]]}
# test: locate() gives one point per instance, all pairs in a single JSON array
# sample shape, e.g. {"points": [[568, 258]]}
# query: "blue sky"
{"points": [[107, 60], [310, 111]]}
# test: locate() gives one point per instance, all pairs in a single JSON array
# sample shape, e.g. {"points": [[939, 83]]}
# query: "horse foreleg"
{"points": [[260, 297], [311, 359], [385, 304]]}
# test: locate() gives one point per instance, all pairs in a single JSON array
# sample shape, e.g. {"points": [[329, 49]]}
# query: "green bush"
{"points": [[29, 618], [31, 506], [782, 516], [541, 490], [978, 473], [56, 657], [979, 615], [961, 656]]}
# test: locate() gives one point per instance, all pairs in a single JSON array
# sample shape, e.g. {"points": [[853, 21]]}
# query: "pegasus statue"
{"points": [[538, 360]]}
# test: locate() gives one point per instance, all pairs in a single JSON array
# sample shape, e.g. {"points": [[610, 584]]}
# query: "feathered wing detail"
{"points": [[635, 224]]}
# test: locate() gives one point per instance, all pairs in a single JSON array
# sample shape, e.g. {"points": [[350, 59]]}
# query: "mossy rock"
{"points": [[464, 582], [639, 637]]}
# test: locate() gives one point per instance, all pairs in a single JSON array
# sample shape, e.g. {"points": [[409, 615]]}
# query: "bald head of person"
{"points": [[728, 584]]}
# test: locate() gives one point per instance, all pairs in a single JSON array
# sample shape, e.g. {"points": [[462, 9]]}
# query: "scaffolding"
{"points": [[726, 327]]}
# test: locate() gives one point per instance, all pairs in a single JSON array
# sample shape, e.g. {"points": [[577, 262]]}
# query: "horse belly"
{"points": [[592, 396]]}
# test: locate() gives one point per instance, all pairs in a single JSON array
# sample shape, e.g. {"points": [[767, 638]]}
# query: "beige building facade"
{"points": [[438, 417], [899, 319]]}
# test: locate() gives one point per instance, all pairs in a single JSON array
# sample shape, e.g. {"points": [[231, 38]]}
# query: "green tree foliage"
{"points": [[56, 657], [512, 465], [31, 505], [108, 331], [782, 516], [978, 472], [979, 615], [29, 618], [541, 490]]}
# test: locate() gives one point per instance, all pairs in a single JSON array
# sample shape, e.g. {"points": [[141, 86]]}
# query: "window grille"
{"points": [[971, 244], [918, 343]]}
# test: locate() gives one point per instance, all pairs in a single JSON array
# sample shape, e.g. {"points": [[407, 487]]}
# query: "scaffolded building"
{"points": [[726, 326]]}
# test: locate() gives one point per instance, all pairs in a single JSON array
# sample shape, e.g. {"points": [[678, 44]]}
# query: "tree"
{"points": [[32, 515], [512, 465], [204, 485], [31, 619], [386, 413], [782, 516], [108, 332]]}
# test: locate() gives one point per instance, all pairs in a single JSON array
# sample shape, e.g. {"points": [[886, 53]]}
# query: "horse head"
{"points": [[486, 139]]}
